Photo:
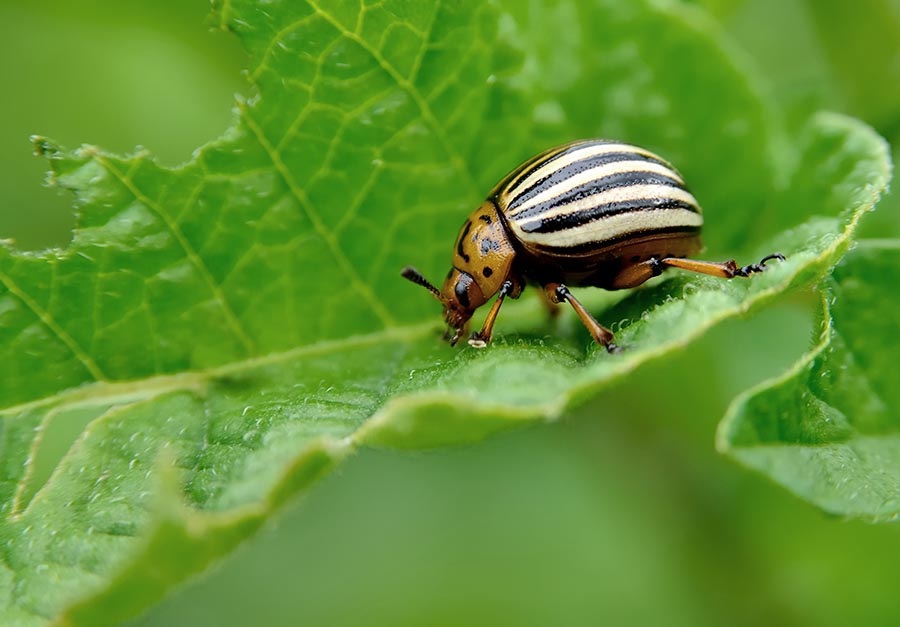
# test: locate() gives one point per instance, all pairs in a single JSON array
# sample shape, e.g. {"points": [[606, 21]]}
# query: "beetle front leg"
{"points": [[557, 293], [457, 333], [481, 338]]}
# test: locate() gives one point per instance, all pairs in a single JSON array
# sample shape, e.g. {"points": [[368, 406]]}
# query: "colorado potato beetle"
{"points": [[595, 213]]}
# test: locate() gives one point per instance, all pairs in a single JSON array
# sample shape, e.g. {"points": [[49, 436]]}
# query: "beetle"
{"points": [[591, 213]]}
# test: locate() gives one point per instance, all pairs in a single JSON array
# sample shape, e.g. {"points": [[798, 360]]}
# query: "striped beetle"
{"points": [[593, 213]]}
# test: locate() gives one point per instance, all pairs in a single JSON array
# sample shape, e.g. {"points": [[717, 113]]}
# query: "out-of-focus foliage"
{"points": [[827, 429], [827, 54]]}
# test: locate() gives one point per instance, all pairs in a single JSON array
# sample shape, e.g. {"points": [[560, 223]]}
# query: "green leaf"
{"points": [[827, 55], [828, 428], [864, 68], [220, 334]]}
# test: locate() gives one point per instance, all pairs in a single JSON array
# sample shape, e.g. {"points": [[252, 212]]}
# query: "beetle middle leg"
{"points": [[638, 273], [557, 293], [551, 306]]}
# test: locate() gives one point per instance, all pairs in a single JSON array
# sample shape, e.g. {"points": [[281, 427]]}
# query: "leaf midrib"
{"points": [[106, 392]]}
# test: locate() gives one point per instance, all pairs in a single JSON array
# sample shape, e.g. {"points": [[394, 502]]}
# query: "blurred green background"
{"points": [[117, 74], [621, 514]]}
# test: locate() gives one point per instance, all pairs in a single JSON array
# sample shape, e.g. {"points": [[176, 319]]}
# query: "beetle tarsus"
{"points": [[760, 266]]}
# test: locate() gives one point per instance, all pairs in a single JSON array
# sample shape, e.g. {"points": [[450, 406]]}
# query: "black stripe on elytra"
{"points": [[563, 174], [598, 186], [579, 218], [462, 237], [523, 171], [548, 156], [589, 247]]}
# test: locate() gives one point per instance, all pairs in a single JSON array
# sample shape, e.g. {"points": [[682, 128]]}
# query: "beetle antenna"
{"points": [[416, 277]]}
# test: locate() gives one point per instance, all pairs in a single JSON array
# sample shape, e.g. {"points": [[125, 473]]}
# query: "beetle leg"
{"points": [[634, 275], [557, 293], [481, 338], [550, 305], [725, 269], [457, 333]]}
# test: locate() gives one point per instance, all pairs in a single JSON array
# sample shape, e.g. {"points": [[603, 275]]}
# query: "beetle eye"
{"points": [[461, 289]]}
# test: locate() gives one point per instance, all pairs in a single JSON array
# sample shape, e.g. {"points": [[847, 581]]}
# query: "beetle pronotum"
{"points": [[593, 213]]}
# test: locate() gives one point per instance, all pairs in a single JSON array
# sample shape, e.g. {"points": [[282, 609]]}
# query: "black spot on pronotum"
{"points": [[487, 272], [462, 237], [485, 218]]}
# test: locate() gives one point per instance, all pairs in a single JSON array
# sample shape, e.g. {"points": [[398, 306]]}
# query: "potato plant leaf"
{"points": [[827, 430], [220, 334]]}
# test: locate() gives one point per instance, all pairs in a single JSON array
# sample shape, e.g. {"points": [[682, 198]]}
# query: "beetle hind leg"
{"points": [[636, 274], [725, 269], [558, 293]]}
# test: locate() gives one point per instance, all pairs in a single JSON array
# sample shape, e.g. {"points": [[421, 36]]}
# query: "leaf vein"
{"points": [[410, 88], [192, 255], [362, 288], [420, 57], [50, 322], [111, 392], [277, 39]]}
